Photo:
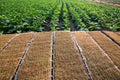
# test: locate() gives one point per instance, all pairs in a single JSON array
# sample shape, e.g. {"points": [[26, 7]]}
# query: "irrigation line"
{"points": [[83, 57], [52, 56], [15, 77], [110, 38], [6, 45], [103, 51]]}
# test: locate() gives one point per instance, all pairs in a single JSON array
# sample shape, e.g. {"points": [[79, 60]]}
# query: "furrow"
{"points": [[103, 52], [108, 46], [67, 62], [48, 22], [5, 40], [60, 22], [112, 36], [98, 63], [72, 23], [11, 56], [15, 77], [83, 58], [37, 64], [52, 56]]}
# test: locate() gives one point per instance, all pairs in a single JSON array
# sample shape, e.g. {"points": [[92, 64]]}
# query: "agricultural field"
{"points": [[59, 40], [60, 55], [11, 56], [17, 16]]}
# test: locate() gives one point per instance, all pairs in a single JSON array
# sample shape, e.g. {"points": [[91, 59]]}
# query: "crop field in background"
{"points": [[60, 55], [17, 16]]}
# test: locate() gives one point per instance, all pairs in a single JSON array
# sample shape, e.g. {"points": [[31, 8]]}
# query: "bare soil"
{"points": [[108, 46], [107, 3], [37, 62], [10, 57], [68, 63], [99, 64]]}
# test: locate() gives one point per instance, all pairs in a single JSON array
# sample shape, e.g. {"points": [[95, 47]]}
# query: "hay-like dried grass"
{"points": [[37, 62], [68, 63], [10, 57], [4, 39], [99, 64], [113, 36]]}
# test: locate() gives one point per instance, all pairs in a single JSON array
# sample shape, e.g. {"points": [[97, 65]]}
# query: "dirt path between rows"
{"points": [[108, 3]]}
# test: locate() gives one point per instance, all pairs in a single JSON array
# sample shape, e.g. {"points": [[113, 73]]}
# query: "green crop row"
{"points": [[24, 15], [97, 16], [18, 16]]}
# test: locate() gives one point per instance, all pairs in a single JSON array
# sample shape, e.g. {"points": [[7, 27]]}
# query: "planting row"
{"points": [[68, 63], [92, 16], [113, 36], [38, 15], [11, 56], [108, 46], [61, 56], [36, 65], [4, 40], [23, 16], [101, 67]]}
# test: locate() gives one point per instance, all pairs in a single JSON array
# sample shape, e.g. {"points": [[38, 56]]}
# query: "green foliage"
{"points": [[24, 15], [97, 16], [18, 16]]}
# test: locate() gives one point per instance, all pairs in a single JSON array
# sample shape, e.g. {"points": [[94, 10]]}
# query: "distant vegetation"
{"points": [[18, 16]]}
